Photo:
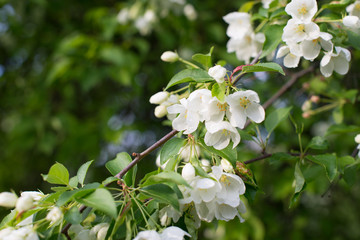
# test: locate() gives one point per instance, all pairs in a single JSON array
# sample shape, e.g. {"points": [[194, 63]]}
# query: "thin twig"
{"points": [[238, 77]]}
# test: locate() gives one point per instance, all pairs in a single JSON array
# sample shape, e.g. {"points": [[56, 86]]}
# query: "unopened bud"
{"points": [[205, 164], [169, 56], [351, 21], [188, 172], [306, 115], [306, 106], [55, 215], [24, 203], [160, 111], [159, 97], [218, 73], [306, 85], [8, 199], [226, 165], [315, 99], [190, 12], [357, 139]]}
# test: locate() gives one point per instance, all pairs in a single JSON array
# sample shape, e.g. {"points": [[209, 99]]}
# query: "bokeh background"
{"points": [[75, 80]]}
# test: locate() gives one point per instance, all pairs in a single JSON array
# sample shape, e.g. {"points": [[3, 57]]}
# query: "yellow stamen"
{"points": [[244, 102], [225, 132], [222, 107], [224, 180], [300, 28], [303, 10], [357, 6]]}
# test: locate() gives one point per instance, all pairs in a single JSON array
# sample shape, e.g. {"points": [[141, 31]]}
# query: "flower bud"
{"points": [[188, 172], [24, 203], [190, 12], [160, 111], [306, 115], [226, 165], [357, 139], [351, 21], [8, 199], [306, 106], [169, 56], [102, 232], [205, 164], [55, 215], [159, 97], [218, 73], [315, 99]]}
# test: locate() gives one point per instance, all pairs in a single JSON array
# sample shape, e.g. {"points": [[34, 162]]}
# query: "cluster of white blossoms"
{"points": [[243, 40], [353, 19], [22, 233], [303, 38], [164, 99], [201, 106], [170, 233], [98, 232], [26, 201], [144, 17], [216, 197]]}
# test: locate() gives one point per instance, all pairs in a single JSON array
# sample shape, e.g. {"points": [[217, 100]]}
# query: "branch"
{"points": [[267, 155], [140, 156], [238, 77]]}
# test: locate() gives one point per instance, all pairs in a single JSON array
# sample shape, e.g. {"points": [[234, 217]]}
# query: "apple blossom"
{"points": [[188, 172], [187, 120], [351, 21], [354, 9], [24, 203], [292, 55], [244, 104], [266, 3], [311, 48], [55, 215], [148, 235], [298, 31], [173, 233], [303, 10], [239, 24], [219, 134], [226, 165], [36, 196], [8, 199], [190, 12], [218, 73], [338, 62]]}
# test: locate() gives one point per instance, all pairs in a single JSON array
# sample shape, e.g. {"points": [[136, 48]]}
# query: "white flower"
{"points": [[218, 73], [239, 24], [23, 233], [123, 16], [215, 110], [190, 12], [8, 199], [159, 97], [357, 139], [266, 3], [219, 134], [292, 55], [351, 21], [55, 215], [167, 213], [188, 172], [354, 9], [85, 234], [204, 189], [189, 151], [226, 165], [24, 203], [205, 164], [169, 56], [246, 46], [148, 235], [187, 119], [311, 48], [36, 196], [338, 62], [173, 233], [298, 31], [5, 232], [303, 10], [100, 230], [206, 210], [244, 104], [143, 23]]}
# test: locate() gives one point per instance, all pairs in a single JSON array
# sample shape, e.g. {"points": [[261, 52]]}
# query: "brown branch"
{"points": [[140, 156], [267, 155]]}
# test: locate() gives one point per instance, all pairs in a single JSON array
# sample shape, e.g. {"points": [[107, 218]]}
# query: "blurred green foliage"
{"points": [[75, 86]]}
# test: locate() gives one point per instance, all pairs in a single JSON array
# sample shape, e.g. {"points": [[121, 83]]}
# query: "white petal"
{"points": [[291, 61], [328, 69], [310, 49], [282, 51], [341, 66], [255, 112]]}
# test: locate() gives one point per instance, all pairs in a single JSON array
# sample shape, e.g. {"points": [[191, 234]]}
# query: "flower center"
{"points": [[300, 28], [224, 180], [222, 107], [357, 6], [225, 132], [244, 102], [303, 10]]}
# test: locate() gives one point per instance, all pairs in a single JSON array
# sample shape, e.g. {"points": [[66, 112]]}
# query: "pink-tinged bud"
{"points": [[306, 106], [169, 56], [306, 85], [315, 99], [306, 115], [8, 199]]}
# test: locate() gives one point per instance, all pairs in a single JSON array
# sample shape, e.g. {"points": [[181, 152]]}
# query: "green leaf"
{"points": [[247, 6], [273, 35], [204, 59], [162, 193], [171, 148], [263, 67], [337, 4], [299, 178], [274, 119], [350, 173], [342, 128], [354, 39], [8, 218], [343, 162], [190, 75], [81, 173], [338, 115], [166, 177], [102, 200], [58, 174], [218, 91], [71, 195], [328, 161], [73, 216], [318, 142], [73, 182], [121, 161], [228, 153]]}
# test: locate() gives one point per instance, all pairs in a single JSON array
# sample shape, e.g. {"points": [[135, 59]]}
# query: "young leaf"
{"points": [[162, 193], [204, 59], [74, 181], [119, 163], [273, 120], [101, 200], [166, 177], [350, 173], [81, 173], [65, 197], [273, 35], [190, 75], [73, 216], [263, 67], [328, 161], [58, 174], [171, 148], [299, 179], [218, 91], [318, 142]]}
